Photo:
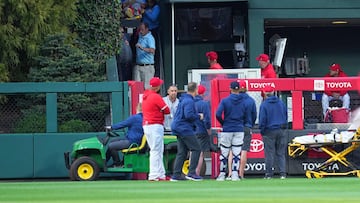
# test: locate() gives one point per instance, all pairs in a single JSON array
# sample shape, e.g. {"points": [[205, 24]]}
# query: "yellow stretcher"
{"points": [[297, 148]]}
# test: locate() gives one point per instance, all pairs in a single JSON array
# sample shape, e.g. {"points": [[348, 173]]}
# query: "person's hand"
{"points": [[139, 46], [201, 116]]}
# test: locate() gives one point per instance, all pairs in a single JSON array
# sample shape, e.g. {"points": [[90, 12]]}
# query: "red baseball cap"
{"points": [[335, 67], [155, 82], [269, 88], [201, 89], [243, 84], [212, 55], [263, 57]]}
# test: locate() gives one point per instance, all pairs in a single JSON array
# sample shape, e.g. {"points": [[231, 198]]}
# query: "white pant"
{"points": [[155, 138], [325, 101], [230, 141], [144, 74]]}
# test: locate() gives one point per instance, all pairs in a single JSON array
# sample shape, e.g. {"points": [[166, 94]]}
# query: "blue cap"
{"points": [[235, 85]]}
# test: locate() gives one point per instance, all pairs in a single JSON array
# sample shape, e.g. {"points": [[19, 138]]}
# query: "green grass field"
{"points": [[208, 191]]}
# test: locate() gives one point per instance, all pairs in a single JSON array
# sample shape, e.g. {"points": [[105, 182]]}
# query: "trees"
{"points": [[60, 41], [23, 26], [60, 61]]}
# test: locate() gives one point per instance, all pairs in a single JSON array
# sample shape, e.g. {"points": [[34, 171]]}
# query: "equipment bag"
{"points": [[337, 115]]}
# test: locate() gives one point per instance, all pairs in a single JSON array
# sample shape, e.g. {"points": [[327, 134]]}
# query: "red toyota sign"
{"points": [[256, 147]]}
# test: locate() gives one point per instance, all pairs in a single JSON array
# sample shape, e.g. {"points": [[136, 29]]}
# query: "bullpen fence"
{"points": [[41, 121]]}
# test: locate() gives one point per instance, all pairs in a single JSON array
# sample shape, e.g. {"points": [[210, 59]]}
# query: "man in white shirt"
{"points": [[172, 102]]}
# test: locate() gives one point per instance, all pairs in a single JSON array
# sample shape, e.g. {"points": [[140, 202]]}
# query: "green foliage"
{"points": [[98, 26], [59, 61], [33, 121], [23, 26], [4, 75], [75, 126]]}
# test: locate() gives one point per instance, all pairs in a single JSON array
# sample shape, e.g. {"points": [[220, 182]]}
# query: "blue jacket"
{"points": [[151, 17], [202, 106], [251, 108], [185, 117], [272, 115], [235, 114], [135, 130]]}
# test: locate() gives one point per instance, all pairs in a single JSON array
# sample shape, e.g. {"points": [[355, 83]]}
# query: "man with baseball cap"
{"points": [[212, 57], [233, 117], [272, 122], [267, 69], [154, 109], [335, 71]]}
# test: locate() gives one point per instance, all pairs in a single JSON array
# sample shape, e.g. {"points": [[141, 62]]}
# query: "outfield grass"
{"points": [[249, 190]]}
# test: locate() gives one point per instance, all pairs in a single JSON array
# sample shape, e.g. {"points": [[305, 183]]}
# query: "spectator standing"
{"points": [[124, 58], [154, 109], [335, 71], [145, 50], [232, 115], [212, 57], [267, 69], [172, 102], [134, 135], [272, 122], [183, 126], [151, 17]]}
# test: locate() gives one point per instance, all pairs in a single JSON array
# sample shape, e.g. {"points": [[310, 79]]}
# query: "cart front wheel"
{"points": [[85, 169]]}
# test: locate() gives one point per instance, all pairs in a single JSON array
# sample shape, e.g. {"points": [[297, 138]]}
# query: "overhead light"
{"points": [[338, 22]]}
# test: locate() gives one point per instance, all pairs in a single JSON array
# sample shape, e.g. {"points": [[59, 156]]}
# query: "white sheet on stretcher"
{"points": [[334, 136]]}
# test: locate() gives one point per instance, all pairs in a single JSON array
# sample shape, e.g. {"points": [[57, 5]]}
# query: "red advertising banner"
{"points": [[327, 83], [256, 147]]}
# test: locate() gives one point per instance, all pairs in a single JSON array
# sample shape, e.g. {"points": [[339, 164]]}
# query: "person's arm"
{"points": [[123, 124], [149, 50], [219, 113], [153, 14], [262, 119], [253, 113], [207, 118], [162, 105], [190, 113]]}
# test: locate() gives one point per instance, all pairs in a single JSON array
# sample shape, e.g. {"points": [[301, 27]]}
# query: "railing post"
{"points": [[51, 113]]}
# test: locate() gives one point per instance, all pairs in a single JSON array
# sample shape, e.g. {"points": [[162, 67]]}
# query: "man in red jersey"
{"points": [[267, 69], [335, 71], [212, 60], [212, 57], [154, 109]]}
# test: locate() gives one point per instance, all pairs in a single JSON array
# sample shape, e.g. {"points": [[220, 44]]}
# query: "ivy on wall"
{"points": [[98, 28]]}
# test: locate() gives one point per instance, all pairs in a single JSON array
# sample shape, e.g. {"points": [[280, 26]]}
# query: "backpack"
{"points": [[337, 115]]}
